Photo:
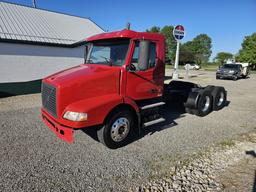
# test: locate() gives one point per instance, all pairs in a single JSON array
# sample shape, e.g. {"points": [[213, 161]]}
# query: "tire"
{"points": [[234, 78], [219, 96], [204, 104], [117, 129], [217, 77], [192, 100]]}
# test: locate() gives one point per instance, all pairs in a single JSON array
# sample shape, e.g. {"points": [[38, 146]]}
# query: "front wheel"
{"points": [[117, 129], [235, 78]]}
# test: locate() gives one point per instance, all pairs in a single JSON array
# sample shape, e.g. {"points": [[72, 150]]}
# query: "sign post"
{"points": [[178, 34]]}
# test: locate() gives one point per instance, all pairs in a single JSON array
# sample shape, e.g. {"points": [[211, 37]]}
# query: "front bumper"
{"points": [[63, 132], [226, 75]]}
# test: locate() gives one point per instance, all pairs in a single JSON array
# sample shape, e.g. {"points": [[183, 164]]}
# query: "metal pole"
{"points": [[175, 74]]}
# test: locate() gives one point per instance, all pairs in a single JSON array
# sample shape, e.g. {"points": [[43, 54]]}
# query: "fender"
{"points": [[131, 102], [96, 108]]}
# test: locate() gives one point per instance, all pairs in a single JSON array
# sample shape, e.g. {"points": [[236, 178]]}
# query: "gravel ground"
{"points": [[33, 159], [240, 177], [227, 166]]}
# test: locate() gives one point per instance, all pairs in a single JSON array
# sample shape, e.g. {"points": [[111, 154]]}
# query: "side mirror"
{"points": [[86, 52], [143, 55], [131, 68]]}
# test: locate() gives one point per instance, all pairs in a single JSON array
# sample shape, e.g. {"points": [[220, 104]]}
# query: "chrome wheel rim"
{"points": [[206, 104], [120, 129], [221, 99]]}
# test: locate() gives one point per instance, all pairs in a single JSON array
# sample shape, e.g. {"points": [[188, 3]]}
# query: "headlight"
{"points": [[75, 116], [231, 71]]}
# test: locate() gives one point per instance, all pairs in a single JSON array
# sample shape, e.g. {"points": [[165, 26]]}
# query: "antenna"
{"points": [[34, 3], [128, 25]]}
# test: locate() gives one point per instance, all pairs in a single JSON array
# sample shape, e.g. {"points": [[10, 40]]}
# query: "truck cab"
{"points": [[117, 90]]}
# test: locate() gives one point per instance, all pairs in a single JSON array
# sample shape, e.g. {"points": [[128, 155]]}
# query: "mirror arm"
{"points": [[128, 68]]}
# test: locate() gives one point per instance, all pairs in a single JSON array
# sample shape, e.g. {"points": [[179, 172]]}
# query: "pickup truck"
{"points": [[119, 89], [233, 71]]}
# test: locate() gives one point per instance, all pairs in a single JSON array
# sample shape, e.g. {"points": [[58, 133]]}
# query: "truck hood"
{"points": [[83, 82], [83, 70]]}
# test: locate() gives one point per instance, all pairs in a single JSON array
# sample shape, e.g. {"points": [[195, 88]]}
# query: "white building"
{"points": [[35, 43]]}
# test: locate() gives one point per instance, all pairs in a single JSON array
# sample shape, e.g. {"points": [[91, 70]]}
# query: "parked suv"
{"points": [[230, 71]]}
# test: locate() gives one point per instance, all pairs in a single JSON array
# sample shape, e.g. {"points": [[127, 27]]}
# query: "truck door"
{"points": [[145, 83]]}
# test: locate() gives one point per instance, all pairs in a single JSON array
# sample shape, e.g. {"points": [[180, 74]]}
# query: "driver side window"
{"points": [[152, 56]]}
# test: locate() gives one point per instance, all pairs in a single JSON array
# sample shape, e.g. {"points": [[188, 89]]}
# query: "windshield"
{"points": [[231, 66], [108, 52]]}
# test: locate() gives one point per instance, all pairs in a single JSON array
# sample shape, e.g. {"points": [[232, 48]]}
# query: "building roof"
{"points": [[25, 24]]}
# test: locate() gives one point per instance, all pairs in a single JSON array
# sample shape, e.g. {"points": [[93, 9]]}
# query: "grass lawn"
{"points": [[210, 67], [171, 66], [207, 67]]}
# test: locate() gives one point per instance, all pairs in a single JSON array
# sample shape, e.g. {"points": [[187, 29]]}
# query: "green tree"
{"points": [[200, 46], [186, 55], [248, 52], [154, 29], [222, 57], [169, 40]]}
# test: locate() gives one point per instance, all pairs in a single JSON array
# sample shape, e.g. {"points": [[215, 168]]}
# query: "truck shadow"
{"points": [[171, 113]]}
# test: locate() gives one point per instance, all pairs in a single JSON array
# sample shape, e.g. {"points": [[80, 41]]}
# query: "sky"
{"points": [[227, 22]]}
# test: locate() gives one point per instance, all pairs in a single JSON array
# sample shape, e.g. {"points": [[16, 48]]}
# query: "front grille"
{"points": [[49, 98]]}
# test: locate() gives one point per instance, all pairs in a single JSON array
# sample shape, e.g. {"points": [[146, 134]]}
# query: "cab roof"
{"points": [[126, 34]]}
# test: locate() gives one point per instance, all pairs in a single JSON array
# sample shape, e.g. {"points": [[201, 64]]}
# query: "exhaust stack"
{"points": [[34, 3], [128, 25]]}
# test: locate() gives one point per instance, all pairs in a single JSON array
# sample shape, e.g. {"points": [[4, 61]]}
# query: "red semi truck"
{"points": [[119, 89]]}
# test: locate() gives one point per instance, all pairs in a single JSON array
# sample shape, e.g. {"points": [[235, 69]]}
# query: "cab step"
{"points": [[152, 105], [161, 119]]}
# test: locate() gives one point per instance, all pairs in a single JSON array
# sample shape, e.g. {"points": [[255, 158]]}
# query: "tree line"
{"points": [[199, 49]]}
